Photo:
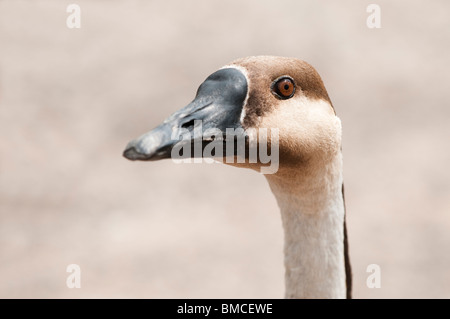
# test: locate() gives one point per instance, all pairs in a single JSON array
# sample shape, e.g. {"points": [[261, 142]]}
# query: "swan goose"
{"points": [[287, 94]]}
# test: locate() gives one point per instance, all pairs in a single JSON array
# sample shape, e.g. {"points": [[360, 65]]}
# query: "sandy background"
{"points": [[70, 100]]}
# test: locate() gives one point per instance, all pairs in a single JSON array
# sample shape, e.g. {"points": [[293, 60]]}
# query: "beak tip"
{"points": [[132, 154]]}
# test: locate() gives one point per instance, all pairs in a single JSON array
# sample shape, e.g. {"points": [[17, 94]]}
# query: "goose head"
{"points": [[240, 99]]}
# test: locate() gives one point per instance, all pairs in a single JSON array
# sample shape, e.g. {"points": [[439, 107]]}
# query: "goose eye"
{"points": [[284, 88]]}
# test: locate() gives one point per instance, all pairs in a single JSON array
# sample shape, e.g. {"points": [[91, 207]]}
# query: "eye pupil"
{"points": [[286, 87]]}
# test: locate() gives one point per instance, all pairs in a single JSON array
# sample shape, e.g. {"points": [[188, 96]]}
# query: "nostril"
{"points": [[189, 125]]}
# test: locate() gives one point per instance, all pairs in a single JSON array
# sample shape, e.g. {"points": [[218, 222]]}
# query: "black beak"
{"points": [[217, 107]]}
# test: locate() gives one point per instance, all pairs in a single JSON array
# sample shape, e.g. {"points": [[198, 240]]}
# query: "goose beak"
{"points": [[217, 106]]}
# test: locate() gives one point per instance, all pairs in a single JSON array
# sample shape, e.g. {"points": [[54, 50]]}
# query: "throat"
{"points": [[312, 212]]}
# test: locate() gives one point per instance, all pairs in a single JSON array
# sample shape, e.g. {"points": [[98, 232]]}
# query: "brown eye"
{"points": [[284, 88]]}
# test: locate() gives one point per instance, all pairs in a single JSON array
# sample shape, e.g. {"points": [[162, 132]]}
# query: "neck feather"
{"points": [[312, 211]]}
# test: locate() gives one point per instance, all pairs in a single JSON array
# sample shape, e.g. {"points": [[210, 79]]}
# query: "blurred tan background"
{"points": [[70, 100]]}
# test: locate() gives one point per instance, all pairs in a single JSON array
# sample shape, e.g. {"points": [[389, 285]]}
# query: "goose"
{"points": [[286, 94]]}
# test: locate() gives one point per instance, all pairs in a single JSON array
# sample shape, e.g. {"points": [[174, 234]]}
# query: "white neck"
{"points": [[312, 211]]}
